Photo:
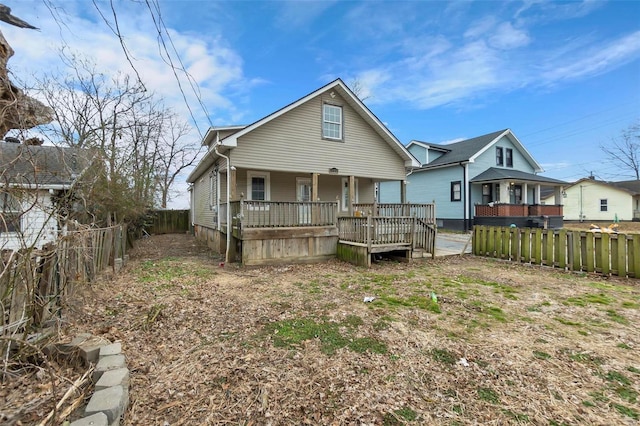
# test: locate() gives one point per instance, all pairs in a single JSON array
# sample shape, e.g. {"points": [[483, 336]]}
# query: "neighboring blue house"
{"points": [[487, 180]]}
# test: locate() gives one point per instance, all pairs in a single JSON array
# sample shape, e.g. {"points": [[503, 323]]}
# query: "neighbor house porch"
{"points": [[505, 198]]}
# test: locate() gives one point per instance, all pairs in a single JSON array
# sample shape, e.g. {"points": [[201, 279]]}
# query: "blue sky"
{"points": [[564, 76]]}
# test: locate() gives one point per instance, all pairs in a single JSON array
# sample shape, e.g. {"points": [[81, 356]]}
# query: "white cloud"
{"points": [[507, 37], [599, 58]]}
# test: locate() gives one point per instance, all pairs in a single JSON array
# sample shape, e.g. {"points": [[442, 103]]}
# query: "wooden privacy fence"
{"points": [[34, 282], [608, 254], [169, 222]]}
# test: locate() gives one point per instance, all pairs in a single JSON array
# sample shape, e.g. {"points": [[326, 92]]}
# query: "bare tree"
{"points": [[142, 143], [358, 89], [176, 155], [624, 150]]}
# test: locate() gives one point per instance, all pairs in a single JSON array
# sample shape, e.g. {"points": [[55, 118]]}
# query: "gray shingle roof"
{"points": [[41, 165], [463, 150], [494, 173], [632, 186]]}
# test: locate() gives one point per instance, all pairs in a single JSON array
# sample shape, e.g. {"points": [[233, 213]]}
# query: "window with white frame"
{"points": [[332, 122], [10, 213], [603, 205], [258, 186]]}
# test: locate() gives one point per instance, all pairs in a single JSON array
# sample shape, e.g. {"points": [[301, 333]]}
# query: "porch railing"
{"points": [[426, 212], [517, 210], [274, 214], [384, 231]]}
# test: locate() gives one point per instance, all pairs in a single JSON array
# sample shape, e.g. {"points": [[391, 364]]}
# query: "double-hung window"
{"points": [[603, 205], [258, 186], [456, 191], [332, 122], [509, 157], [10, 213], [499, 156]]}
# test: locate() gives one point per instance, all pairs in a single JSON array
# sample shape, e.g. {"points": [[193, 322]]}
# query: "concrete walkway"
{"points": [[451, 244]]}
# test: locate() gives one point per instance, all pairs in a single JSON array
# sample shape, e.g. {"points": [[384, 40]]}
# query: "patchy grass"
{"points": [[291, 333], [297, 344]]}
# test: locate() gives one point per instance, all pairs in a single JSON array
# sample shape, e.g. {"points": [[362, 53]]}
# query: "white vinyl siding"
{"points": [[586, 198]]}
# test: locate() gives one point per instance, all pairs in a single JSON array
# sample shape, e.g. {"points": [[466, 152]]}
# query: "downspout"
{"points": [[226, 254], [466, 199]]}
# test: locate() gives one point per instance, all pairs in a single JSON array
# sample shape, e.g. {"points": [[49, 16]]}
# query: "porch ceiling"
{"points": [[495, 174]]}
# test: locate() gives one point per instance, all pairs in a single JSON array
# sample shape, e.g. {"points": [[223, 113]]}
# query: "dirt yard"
{"points": [[454, 341]]}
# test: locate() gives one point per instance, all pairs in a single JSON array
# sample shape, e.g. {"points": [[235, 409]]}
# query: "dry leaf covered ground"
{"points": [[455, 341]]}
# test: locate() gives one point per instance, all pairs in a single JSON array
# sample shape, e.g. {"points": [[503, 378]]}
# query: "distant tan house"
{"points": [[594, 200], [277, 186]]}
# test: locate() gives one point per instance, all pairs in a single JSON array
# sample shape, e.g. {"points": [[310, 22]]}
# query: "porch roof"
{"points": [[493, 174]]}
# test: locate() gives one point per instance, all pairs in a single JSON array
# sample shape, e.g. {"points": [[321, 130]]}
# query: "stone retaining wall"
{"points": [[110, 377]]}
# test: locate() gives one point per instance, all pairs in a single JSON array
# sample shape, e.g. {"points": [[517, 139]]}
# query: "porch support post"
{"points": [[233, 190], [525, 195], [504, 192], [314, 187], [557, 195], [403, 192], [352, 193], [537, 194], [314, 197]]}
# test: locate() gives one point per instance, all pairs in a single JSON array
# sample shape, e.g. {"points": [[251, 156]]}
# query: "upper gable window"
{"points": [[499, 156], [509, 157], [331, 122]]}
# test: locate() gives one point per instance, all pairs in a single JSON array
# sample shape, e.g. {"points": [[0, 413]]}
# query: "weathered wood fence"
{"points": [[169, 222], [608, 254], [33, 283]]}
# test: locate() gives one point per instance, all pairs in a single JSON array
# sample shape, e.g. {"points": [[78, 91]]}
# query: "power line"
{"points": [[159, 24]]}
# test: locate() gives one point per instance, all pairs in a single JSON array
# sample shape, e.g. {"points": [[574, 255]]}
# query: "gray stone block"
{"points": [[90, 346], [107, 363], [119, 376], [111, 401], [112, 349], [98, 419]]}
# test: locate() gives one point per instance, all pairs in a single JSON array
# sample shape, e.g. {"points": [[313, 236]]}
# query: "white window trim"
{"points": [[341, 123], [15, 207], [343, 195], [267, 186]]}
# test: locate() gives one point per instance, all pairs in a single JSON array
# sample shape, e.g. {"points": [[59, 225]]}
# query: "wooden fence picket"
{"points": [[608, 254]]}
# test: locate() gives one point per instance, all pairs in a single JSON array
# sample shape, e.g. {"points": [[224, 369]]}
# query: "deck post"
{"points": [[403, 192], [369, 243]]}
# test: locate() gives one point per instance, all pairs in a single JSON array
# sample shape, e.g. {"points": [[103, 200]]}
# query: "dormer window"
{"points": [[332, 122]]}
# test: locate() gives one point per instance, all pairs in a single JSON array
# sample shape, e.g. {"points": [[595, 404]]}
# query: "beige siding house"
{"points": [[278, 185], [593, 200]]}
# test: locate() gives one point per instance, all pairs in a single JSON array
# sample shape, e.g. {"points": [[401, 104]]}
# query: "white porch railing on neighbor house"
{"points": [[276, 214]]}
